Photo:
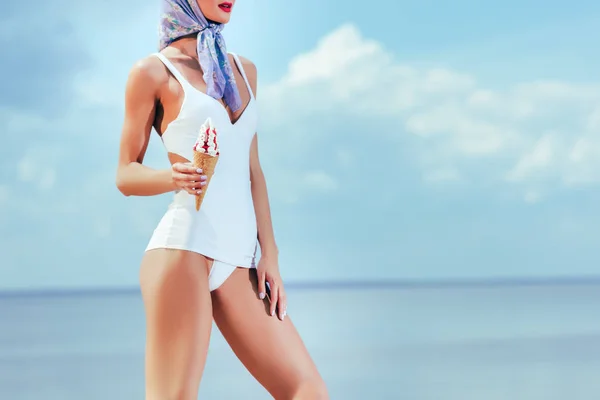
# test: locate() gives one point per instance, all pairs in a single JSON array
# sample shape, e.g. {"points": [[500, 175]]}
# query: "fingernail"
{"points": [[203, 177], [202, 183], [261, 296], [272, 313], [199, 170], [199, 191]]}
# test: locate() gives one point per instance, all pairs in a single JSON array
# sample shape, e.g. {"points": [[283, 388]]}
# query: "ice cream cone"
{"points": [[207, 163], [206, 155]]}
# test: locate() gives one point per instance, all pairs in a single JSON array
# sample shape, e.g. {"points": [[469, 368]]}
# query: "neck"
{"points": [[187, 45]]}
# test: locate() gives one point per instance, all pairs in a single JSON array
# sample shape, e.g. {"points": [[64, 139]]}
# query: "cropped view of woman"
{"points": [[201, 262]]}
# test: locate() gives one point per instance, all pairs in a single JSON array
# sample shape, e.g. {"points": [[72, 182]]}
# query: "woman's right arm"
{"points": [[133, 178]]}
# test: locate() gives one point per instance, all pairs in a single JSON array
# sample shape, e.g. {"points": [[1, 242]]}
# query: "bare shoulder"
{"points": [[148, 73], [250, 70], [248, 65]]}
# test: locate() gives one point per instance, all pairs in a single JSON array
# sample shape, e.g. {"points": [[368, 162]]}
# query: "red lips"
{"points": [[226, 6]]}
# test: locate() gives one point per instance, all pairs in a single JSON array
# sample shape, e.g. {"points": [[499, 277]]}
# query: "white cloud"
{"points": [[541, 135], [334, 53], [538, 160]]}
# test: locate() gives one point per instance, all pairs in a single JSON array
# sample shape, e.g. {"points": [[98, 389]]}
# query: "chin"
{"points": [[223, 19]]}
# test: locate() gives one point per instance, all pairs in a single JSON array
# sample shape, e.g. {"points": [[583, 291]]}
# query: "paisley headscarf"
{"points": [[184, 17]]}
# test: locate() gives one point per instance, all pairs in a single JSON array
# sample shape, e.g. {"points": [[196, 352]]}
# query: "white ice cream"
{"points": [[207, 141]]}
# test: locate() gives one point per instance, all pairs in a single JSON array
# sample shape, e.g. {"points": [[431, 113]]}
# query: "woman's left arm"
{"points": [[268, 266], [260, 197]]}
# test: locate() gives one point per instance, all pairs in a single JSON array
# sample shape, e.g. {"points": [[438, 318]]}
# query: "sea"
{"points": [[509, 341]]}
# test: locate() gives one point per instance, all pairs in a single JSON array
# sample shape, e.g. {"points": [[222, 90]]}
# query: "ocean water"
{"points": [[529, 342]]}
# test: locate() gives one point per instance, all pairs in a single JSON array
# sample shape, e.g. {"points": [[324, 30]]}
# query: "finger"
{"points": [[261, 286], [193, 188], [193, 177], [191, 191], [274, 297], [181, 177], [189, 180], [282, 303], [190, 187], [195, 184], [186, 168]]}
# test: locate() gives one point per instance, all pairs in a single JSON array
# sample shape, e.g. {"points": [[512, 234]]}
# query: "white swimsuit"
{"points": [[224, 228]]}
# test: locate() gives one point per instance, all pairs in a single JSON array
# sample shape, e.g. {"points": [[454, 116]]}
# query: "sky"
{"points": [[400, 141]]}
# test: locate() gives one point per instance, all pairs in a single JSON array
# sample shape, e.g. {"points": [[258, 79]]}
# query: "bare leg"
{"points": [[270, 349], [178, 309]]}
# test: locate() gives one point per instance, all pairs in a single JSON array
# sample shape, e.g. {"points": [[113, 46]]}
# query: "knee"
{"points": [[313, 389]]}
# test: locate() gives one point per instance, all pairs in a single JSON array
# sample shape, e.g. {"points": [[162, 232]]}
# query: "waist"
{"points": [[220, 194], [227, 215]]}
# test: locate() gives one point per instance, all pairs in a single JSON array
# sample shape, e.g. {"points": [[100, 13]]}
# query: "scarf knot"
{"points": [[183, 17]]}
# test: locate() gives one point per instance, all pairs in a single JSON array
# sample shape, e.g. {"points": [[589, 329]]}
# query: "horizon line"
{"points": [[334, 285]]}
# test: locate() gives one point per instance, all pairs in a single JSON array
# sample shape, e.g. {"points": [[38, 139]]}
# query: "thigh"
{"points": [[269, 348], [177, 302]]}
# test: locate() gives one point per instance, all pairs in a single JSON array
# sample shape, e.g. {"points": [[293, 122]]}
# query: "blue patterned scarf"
{"points": [[184, 17]]}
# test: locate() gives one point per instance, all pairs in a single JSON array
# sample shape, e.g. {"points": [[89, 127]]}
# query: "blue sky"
{"points": [[410, 141]]}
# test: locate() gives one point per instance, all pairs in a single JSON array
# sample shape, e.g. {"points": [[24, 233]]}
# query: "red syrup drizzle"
{"points": [[205, 145]]}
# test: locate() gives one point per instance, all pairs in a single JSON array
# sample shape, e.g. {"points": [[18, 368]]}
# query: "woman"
{"points": [[200, 264]]}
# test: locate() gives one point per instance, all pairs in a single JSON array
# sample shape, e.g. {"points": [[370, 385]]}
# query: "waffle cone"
{"points": [[207, 163]]}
